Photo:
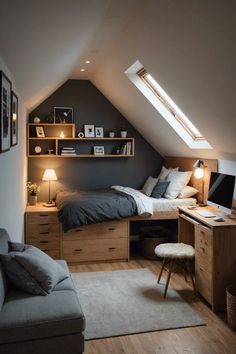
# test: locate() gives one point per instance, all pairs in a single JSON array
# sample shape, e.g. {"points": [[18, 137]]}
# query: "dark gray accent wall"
{"points": [[92, 107]]}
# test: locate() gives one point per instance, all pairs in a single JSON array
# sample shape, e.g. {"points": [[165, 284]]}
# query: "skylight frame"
{"points": [[169, 104]]}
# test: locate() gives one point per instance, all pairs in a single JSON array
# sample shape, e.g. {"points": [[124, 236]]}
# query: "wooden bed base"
{"points": [[109, 241]]}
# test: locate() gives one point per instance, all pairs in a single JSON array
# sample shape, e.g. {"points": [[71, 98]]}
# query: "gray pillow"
{"points": [[19, 277], [39, 272], [159, 189], [16, 246]]}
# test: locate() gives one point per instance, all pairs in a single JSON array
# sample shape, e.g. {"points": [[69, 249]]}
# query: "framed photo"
{"points": [[98, 150], [89, 131], [99, 132], [40, 132], [5, 112], [14, 119], [63, 115]]}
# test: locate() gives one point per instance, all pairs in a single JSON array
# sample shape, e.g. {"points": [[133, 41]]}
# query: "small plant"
{"points": [[123, 129], [32, 188]]}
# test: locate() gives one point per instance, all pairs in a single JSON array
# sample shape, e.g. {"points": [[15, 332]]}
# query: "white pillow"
{"points": [[178, 180], [165, 172], [187, 192], [149, 185]]}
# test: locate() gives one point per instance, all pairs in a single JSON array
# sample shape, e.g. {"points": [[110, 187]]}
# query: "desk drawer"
{"points": [[42, 218], [203, 241], [95, 250], [111, 230], [203, 280], [43, 229]]}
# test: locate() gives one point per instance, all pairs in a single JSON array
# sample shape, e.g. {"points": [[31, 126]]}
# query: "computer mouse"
{"points": [[218, 218]]}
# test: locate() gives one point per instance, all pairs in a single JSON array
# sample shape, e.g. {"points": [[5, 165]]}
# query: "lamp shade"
{"points": [[199, 169], [49, 175]]}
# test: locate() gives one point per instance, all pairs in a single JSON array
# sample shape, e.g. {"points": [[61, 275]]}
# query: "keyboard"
{"points": [[205, 213]]}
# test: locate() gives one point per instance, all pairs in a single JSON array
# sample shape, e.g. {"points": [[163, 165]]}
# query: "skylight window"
{"points": [[166, 107]]}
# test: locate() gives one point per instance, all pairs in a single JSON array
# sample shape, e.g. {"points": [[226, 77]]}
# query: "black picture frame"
{"points": [[99, 132], [63, 115], [14, 119], [5, 113]]}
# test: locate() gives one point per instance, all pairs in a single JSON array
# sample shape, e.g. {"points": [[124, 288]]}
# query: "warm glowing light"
{"points": [[199, 173], [62, 135], [49, 175], [14, 116], [82, 69], [87, 62]]}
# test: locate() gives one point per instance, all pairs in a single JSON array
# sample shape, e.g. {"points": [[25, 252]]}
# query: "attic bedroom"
{"points": [[117, 177]]}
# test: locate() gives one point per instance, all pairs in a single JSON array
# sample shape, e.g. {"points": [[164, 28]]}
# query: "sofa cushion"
{"points": [[27, 317], [4, 238], [66, 284]]}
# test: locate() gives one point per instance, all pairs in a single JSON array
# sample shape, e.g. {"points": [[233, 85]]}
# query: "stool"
{"points": [[174, 253]]}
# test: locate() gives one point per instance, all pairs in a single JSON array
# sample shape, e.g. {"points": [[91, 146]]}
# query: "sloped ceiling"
{"points": [[187, 45]]}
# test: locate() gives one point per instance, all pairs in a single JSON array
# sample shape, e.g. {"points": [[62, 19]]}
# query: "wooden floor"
{"points": [[214, 338]]}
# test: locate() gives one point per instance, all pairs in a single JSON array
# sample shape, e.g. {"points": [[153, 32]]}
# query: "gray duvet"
{"points": [[90, 207]]}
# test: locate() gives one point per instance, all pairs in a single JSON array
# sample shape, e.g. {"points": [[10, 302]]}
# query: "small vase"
{"points": [[32, 199], [123, 133], [111, 134]]}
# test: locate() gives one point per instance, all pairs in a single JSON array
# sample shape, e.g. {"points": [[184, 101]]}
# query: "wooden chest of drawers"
{"points": [[43, 230], [99, 242]]}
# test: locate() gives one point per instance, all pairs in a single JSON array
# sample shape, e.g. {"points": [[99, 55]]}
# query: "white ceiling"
{"points": [[187, 45]]}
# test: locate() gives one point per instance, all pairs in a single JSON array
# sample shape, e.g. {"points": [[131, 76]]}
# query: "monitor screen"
{"points": [[221, 189]]}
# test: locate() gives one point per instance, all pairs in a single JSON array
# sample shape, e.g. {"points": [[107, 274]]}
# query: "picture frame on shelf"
{"points": [[5, 113], [99, 132], [89, 131], [63, 115], [14, 119], [99, 150], [40, 132]]}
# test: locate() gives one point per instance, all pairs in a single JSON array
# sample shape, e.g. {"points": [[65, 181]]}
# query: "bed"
{"points": [[109, 240]]}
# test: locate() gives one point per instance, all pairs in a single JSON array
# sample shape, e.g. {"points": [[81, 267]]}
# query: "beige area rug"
{"points": [[130, 301]]}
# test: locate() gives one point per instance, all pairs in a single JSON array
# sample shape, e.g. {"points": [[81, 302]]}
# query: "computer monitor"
{"points": [[221, 191]]}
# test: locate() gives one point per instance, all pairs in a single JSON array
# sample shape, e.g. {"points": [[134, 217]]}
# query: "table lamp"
{"points": [[49, 175], [199, 174]]}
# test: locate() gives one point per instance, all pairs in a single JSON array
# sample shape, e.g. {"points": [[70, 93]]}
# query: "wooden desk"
{"points": [[215, 253]]}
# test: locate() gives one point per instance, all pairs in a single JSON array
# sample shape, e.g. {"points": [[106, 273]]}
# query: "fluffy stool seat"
{"points": [[175, 253], [174, 250]]}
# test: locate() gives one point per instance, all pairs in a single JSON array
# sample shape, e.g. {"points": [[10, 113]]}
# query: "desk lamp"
{"points": [[49, 175], [199, 174]]}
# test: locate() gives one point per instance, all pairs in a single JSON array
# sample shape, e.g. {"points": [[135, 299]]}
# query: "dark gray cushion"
{"points": [[27, 317], [66, 284], [159, 189], [4, 238], [16, 246]]}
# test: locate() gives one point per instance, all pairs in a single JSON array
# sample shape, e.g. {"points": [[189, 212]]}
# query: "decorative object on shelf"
{"points": [[81, 135], [63, 115], [33, 190], [123, 132], [40, 132], [68, 151], [36, 120], [199, 174], [50, 151], [14, 119], [5, 112], [99, 132], [49, 176], [111, 134], [37, 149], [99, 150], [89, 131], [62, 135]]}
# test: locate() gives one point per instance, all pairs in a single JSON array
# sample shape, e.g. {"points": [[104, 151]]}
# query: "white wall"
{"points": [[13, 176], [228, 167]]}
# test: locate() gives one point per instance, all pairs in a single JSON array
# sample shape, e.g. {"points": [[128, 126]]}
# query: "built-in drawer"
{"points": [[42, 218], [95, 250], [43, 229], [203, 280], [203, 241], [113, 229]]}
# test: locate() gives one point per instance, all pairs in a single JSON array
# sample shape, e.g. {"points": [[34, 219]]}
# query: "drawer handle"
{"points": [[78, 249], [201, 269], [111, 228], [43, 241], [112, 248], [43, 215], [78, 230], [43, 224], [44, 233], [203, 249]]}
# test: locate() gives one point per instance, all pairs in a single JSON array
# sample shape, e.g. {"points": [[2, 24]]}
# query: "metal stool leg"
{"points": [[168, 278], [189, 265], [162, 268]]}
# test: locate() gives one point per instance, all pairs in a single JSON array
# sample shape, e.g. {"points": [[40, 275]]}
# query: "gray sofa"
{"points": [[39, 324]]}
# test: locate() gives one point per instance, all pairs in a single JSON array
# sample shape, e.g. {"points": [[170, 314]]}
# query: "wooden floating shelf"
{"points": [[80, 139], [79, 156], [52, 124]]}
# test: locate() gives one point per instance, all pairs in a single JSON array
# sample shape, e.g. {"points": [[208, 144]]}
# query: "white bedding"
{"points": [[164, 204]]}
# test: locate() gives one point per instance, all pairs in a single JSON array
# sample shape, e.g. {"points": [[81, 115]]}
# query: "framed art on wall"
{"points": [[5, 112], [89, 131], [98, 150], [40, 132], [14, 119], [63, 115], [99, 132]]}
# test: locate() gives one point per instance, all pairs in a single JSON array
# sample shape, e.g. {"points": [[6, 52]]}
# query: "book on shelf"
{"points": [[69, 151], [123, 149]]}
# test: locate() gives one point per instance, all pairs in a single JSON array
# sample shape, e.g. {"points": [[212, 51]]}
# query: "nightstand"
{"points": [[43, 229]]}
